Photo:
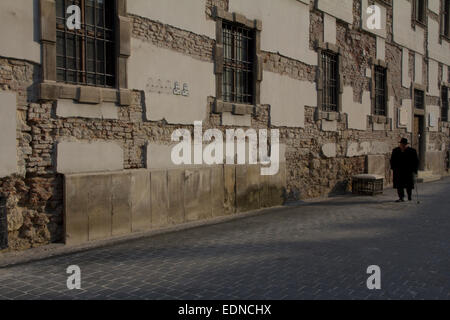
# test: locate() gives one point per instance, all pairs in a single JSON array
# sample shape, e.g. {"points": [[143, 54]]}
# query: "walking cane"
{"points": [[417, 189]]}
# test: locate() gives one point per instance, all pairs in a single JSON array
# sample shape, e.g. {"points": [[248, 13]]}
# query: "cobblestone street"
{"points": [[317, 250]]}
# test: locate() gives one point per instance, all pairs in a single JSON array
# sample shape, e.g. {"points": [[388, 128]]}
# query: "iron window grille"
{"points": [[420, 11], [330, 92], [86, 56], [238, 67], [444, 109], [380, 91], [419, 99]]}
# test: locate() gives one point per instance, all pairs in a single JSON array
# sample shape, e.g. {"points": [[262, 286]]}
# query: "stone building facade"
{"points": [[81, 161]]}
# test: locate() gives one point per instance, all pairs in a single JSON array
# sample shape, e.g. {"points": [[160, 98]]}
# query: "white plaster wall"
{"points": [[406, 108], [329, 125], [70, 109], [19, 30], [381, 48], [357, 112], [364, 148], [433, 78], [379, 32], [404, 34], [8, 136], [342, 9], [187, 14], [229, 119], [434, 5], [83, 157], [437, 51], [159, 156], [418, 69], [435, 111], [329, 29], [148, 62], [285, 25], [406, 80], [287, 98]]}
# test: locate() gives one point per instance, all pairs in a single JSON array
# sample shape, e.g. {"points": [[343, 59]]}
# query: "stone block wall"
{"points": [[105, 205]]}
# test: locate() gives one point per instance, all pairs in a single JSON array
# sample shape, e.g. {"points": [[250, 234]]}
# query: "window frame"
{"points": [[51, 89], [378, 68], [328, 57], [445, 19], [321, 113], [422, 93], [236, 108], [422, 20], [81, 39], [237, 34]]}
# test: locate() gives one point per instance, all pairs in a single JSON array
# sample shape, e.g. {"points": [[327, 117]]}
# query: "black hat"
{"points": [[404, 141]]}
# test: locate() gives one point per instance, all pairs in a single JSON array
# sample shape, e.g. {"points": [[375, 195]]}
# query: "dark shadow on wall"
{"points": [[33, 89], [340, 188], [36, 22]]}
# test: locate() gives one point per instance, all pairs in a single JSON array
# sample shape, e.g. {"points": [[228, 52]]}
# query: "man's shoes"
{"points": [[400, 200]]}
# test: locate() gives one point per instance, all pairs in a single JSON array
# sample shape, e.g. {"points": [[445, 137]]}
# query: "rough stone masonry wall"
{"points": [[35, 195]]}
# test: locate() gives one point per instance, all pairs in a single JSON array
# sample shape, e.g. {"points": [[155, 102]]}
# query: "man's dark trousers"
{"points": [[401, 193]]}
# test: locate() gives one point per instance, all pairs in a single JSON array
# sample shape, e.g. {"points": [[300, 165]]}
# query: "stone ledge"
{"points": [[328, 115], [418, 86], [318, 44], [378, 119], [219, 13], [419, 112], [234, 108], [84, 94], [379, 63]]}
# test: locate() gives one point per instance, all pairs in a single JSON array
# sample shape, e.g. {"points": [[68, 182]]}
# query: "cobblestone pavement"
{"points": [[318, 250]]}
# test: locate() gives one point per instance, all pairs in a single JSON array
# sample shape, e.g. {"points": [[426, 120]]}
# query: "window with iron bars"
{"points": [[420, 9], [330, 92], [380, 91], [419, 99], [238, 67], [446, 18], [86, 56], [444, 109]]}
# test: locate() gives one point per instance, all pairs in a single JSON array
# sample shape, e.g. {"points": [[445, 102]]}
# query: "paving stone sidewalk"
{"points": [[317, 250]]}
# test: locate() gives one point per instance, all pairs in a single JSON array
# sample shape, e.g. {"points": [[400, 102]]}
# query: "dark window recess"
{"points": [[419, 99], [3, 225], [420, 11], [380, 91], [330, 92], [446, 18], [238, 68], [444, 108], [86, 56]]}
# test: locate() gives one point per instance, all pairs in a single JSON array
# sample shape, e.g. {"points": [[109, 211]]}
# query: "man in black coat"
{"points": [[405, 164]]}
